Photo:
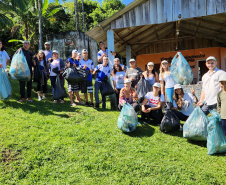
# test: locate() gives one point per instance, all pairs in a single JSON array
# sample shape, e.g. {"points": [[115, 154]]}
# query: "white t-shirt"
{"points": [[55, 63], [152, 100], [187, 108], [168, 80], [119, 79], [3, 58]]}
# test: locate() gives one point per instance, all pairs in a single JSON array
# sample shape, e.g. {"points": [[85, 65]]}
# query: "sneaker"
{"points": [[39, 98], [54, 101], [87, 104], [43, 97], [81, 103], [29, 100], [91, 105], [73, 104], [96, 106], [21, 100], [61, 101]]}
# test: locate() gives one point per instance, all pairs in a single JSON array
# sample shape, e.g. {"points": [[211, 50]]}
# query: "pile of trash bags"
{"points": [[180, 70], [5, 87], [143, 87], [216, 141], [195, 128], [128, 120], [19, 69], [75, 75]]}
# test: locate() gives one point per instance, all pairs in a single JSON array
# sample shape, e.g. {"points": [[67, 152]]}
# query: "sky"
{"points": [[124, 1]]}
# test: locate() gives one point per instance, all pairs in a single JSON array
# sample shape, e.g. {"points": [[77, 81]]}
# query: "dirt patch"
{"points": [[10, 155]]}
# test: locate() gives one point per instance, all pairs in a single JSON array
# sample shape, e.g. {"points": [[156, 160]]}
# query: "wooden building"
{"points": [[150, 30]]}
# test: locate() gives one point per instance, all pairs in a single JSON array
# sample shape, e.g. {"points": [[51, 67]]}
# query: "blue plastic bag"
{"points": [[5, 87], [216, 141], [19, 69], [195, 128], [180, 70], [128, 120]]}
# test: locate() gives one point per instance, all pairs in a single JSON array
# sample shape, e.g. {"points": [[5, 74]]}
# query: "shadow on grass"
{"points": [[198, 143], [142, 131]]}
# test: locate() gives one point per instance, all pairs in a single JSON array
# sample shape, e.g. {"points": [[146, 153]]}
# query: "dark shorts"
{"points": [[87, 86], [73, 88]]}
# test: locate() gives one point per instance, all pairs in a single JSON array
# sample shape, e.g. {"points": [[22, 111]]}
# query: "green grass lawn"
{"points": [[46, 143]]}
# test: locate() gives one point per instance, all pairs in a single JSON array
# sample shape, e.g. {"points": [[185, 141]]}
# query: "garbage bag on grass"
{"points": [[59, 91], [170, 122], [143, 87], [5, 87], [37, 73], [181, 70], [106, 88], [216, 141], [19, 69], [128, 120], [195, 128]]}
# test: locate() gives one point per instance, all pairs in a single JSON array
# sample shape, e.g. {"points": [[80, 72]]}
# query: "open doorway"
{"points": [[202, 69]]}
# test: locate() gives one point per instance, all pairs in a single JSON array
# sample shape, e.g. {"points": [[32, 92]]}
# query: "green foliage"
{"points": [[46, 143]]}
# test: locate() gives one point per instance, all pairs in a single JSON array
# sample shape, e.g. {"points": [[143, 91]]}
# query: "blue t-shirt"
{"points": [[89, 64], [101, 52], [104, 71], [72, 61]]}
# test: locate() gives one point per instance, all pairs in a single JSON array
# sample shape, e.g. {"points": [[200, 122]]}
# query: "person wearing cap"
{"points": [[30, 57], [221, 102], [4, 57], [79, 57], [48, 52], [103, 52], [166, 77], [73, 62], [44, 70], [150, 74], [103, 72], [211, 86], [183, 102], [133, 73], [87, 85], [152, 104], [118, 75], [128, 95], [59, 64]]}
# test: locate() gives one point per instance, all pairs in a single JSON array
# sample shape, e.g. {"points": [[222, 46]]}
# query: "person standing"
{"points": [[103, 52], [73, 62], [210, 86], [117, 61], [30, 56], [48, 52], [133, 73], [44, 70], [221, 102], [4, 57], [103, 72], [150, 74], [165, 76], [87, 85]]}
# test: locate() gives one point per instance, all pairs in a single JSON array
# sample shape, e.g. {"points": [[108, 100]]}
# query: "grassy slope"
{"points": [[48, 143]]}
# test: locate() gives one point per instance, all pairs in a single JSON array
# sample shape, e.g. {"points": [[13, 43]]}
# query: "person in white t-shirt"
{"points": [[4, 57], [152, 104], [183, 102], [166, 77]]}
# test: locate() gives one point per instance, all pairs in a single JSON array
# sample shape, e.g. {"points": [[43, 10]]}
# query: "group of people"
{"points": [[125, 83]]}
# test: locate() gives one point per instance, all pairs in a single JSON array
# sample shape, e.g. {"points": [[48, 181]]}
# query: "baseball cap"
{"points": [[101, 42], [150, 64], [164, 62], [211, 58], [222, 78], [47, 43], [127, 81], [74, 51], [41, 51], [84, 51], [177, 86], [132, 60], [156, 84], [55, 51], [79, 54], [26, 41]]}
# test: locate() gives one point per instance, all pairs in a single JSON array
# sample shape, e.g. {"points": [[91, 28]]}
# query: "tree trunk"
{"points": [[40, 23], [76, 15], [83, 18]]}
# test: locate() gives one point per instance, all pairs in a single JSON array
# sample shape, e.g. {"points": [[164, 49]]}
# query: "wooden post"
{"points": [[111, 48], [128, 54]]}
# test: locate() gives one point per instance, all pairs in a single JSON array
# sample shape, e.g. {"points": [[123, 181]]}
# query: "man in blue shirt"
{"points": [[87, 85], [103, 52], [103, 72], [48, 52]]}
